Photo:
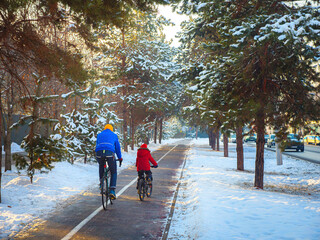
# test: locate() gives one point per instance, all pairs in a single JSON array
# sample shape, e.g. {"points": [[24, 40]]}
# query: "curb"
{"points": [[169, 219]]}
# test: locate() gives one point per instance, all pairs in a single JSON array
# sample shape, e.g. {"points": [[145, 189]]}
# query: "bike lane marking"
{"points": [[87, 219]]}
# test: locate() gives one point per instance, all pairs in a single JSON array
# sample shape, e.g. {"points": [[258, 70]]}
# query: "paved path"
{"points": [[128, 218]]}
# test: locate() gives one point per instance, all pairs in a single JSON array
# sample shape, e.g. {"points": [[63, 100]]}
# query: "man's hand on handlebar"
{"points": [[154, 166], [120, 162]]}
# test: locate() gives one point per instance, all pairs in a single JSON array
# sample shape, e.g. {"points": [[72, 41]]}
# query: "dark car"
{"points": [[271, 141], [293, 141], [250, 138]]}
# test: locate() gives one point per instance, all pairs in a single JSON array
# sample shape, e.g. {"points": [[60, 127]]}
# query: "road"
{"points": [[311, 153], [128, 218]]}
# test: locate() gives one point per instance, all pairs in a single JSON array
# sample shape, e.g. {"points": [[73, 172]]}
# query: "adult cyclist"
{"points": [[106, 147]]}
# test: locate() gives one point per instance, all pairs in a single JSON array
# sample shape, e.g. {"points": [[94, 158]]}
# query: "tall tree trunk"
{"points": [[218, 140], [197, 131], [34, 129], [75, 103], [152, 134], [259, 168], [225, 145], [239, 137], [8, 132], [125, 127], [124, 92], [214, 139], [132, 131], [210, 136], [160, 130], [155, 130], [147, 139], [0, 142]]}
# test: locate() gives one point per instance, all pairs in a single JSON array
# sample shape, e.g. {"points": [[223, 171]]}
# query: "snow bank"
{"points": [[218, 202], [14, 148]]}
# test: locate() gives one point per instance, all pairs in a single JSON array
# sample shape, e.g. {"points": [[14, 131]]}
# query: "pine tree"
{"points": [[138, 63], [263, 53], [78, 129], [42, 150]]}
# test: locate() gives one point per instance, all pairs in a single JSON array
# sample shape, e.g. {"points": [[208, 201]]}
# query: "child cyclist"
{"points": [[142, 162]]}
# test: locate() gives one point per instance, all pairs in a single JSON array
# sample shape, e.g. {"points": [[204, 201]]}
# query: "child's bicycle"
{"points": [[105, 186], [144, 186]]}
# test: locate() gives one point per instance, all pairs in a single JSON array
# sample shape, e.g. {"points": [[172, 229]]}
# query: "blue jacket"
{"points": [[108, 140]]}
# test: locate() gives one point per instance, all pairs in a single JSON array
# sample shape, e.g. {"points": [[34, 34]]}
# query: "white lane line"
{"points": [[87, 219], [167, 153], [80, 225]]}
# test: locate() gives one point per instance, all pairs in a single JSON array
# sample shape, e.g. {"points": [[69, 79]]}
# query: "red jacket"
{"points": [[143, 158]]}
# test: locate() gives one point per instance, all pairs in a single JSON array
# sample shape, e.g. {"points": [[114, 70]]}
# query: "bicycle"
{"points": [[144, 186], [105, 186]]}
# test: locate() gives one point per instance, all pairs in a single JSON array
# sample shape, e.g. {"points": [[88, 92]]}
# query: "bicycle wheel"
{"points": [[149, 189], [141, 189], [105, 193]]}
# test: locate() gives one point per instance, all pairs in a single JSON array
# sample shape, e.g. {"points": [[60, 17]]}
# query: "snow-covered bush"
{"points": [[78, 135]]}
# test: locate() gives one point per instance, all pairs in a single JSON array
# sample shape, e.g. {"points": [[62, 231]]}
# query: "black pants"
{"points": [[103, 157], [141, 174]]}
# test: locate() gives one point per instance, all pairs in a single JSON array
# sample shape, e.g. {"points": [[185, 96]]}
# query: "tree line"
{"points": [[251, 63], [70, 67]]}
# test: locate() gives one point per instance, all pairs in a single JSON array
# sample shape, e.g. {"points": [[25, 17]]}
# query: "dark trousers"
{"points": [[141, 174], [107, 156]]}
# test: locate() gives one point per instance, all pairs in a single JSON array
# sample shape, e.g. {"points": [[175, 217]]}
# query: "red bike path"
{"points": [[128, 218]]}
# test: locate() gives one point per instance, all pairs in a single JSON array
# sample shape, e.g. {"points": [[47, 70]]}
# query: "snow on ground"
{"points": [[23, 202], [217, 202]]}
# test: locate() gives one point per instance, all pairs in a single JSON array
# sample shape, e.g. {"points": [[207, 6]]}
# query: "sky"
{"points": [[171, 31]]}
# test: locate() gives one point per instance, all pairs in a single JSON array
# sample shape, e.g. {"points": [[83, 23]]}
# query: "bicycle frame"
{"points": [[144, 187], [105, 193]]}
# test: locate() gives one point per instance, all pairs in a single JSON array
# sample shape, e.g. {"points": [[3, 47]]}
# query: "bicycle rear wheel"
{"points": [[105, 193], [149, 189], [141, 189]]}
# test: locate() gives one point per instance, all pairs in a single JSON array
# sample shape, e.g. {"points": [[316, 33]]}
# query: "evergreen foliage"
{"points": [[41, 150], [42, 153], [78, 129], [259, 66], [138, 63], [55, 40]]}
